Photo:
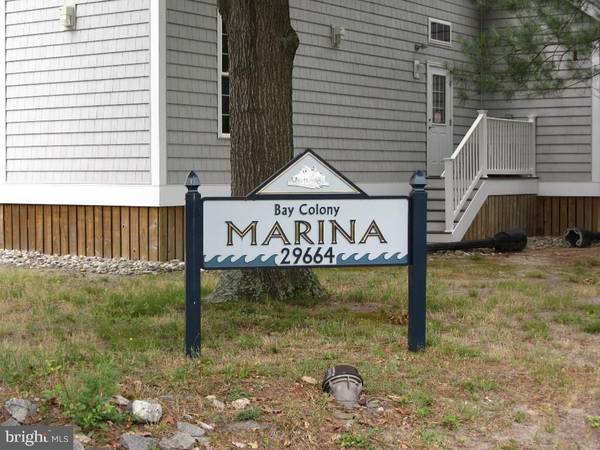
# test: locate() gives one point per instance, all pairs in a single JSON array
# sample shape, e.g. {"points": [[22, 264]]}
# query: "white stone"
{"points": [[83, 438], [206, 426], [309, 380], [240, 403], [218, 404], [77, 445], [10, 423], [191, 429], [120, 400], [136, 442], [20, 409], [146, 411], [179, 441]]}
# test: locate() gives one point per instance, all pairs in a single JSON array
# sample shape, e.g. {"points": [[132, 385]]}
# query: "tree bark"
{"points": [[262, 47]]}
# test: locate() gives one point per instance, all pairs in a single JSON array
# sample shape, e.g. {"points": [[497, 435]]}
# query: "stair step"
{"points": [[433, 227]]}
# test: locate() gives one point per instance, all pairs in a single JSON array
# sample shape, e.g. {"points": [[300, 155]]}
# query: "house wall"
{"points": [[77, 102], [358, 106], [564, 125]]}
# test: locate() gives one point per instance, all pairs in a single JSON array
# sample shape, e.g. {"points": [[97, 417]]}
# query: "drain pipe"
{"points": [[578, 237], [503, 242]]}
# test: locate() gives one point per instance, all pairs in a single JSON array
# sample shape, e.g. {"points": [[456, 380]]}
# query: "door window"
{"points": [[438, 104]]}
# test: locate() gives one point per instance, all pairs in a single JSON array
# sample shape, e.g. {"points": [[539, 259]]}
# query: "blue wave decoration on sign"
{"points": [[229, 262], [365, 260]]}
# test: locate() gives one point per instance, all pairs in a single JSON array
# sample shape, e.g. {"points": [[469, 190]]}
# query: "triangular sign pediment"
{"points": [[307, 174]]}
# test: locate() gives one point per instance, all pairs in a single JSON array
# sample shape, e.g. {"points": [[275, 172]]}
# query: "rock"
{"points": [[191, 429], [83, 438], [309, 380], [20, 409], [77, 445], [120, 400], [210, 398], [373, 404], [238, 444], [240, 403], [83, 264], [218, 404], [246, 425], [343, 415], [206, 426], [203, 441], [167, 398], [134, 442], [10, 423], [146, 411], [179, 441]]}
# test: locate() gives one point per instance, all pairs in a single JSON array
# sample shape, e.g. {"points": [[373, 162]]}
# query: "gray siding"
{"points": [[77, 102], [359, 106], [564, 132]]}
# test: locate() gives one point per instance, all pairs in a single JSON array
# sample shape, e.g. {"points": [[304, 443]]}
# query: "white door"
{"points": [[439, 119]]}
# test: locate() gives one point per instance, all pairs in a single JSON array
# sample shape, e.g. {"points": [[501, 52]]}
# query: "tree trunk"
{"points": [[262, 46]]}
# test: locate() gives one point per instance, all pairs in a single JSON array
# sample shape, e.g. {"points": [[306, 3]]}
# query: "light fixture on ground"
{"points": [[344, 383]]}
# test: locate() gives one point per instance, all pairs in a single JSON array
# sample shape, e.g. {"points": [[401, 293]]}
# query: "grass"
{"points": [[249, 414], [505, 335]]}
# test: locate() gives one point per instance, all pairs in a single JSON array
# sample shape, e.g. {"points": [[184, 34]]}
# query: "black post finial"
{"points": [[192, 182], [418, 181]]}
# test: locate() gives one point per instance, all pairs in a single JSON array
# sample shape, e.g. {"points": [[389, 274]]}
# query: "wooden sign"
{"points": [[306, 215]]}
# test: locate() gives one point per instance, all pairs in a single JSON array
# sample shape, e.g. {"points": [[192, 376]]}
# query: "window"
{"points": [[439, 100], [440, 32], [223, 79]]}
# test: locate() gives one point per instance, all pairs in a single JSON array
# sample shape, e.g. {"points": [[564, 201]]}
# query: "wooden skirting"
{"points": [[504, 212], [539, 216], [556, 214], [154, 234]]}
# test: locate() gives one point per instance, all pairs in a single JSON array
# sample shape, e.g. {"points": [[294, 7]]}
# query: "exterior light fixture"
{"points": [[418, 68], [345, 383], [67, 17], [337, 36]]}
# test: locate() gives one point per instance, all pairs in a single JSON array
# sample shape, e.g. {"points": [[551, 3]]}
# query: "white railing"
{"points": [[490, 147], [510, 150]]}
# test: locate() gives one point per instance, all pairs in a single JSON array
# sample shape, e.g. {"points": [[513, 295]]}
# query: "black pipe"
{"points": [[505, 241], [578, 237]]}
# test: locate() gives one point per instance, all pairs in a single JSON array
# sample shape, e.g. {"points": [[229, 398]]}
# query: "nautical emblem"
{"points": [[308, 177]]}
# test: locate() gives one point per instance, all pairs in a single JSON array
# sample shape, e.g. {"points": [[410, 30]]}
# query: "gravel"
{"points": [[86, 264], [122, 266]]}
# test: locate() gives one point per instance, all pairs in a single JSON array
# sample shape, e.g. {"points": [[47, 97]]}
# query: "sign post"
{"points": [[306, 215], [193, 264], [417, 270]]}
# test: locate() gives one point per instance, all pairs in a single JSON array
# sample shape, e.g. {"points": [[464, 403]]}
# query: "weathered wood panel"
{"points": [[500, 213], [154, 234], [144, 226], [80, 230], [556, 214]]}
